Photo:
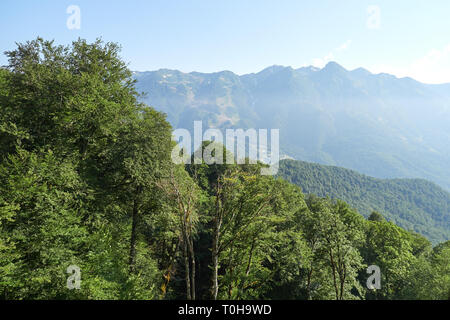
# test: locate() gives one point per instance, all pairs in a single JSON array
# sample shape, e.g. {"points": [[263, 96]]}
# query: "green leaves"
{"points": [[86, 179], [80, 157], [42, 229]]}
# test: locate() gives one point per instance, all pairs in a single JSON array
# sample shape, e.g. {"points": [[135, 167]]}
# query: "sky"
{"points": [[401, 37]]}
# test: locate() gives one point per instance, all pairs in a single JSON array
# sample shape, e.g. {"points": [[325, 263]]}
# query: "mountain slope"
{"points": [[379, 125], [413, 204]]}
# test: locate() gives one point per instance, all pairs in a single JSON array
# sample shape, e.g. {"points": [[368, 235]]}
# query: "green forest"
{"points": [[413, 204], [86, 180]]}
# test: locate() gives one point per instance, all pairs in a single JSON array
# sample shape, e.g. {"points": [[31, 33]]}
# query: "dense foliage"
{"points": [[413, 204], [86, 180], [376, 124]]}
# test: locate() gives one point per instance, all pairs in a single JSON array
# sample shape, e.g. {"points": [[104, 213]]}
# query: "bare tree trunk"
{"points": [[333, 267], [230, 272], [186, 269], [242, 284], [215, 263], [170, 270], [308, 285], [343, 276], [134, 217], [215, 245], [249, 264], [191, 251]]}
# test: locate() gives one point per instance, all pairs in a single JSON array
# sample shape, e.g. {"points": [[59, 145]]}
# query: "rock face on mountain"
{"points": [[379, 125]]}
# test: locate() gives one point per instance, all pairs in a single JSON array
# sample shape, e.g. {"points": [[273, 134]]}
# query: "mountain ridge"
{"points": [[361, 70], [376, 124]]}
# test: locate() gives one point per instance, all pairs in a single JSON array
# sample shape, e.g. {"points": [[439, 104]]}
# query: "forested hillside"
{"points": [[87, 183], [413, 204]]}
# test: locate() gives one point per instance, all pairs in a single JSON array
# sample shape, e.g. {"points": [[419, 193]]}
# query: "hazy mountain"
{"points": [[380, 125], [413, 204]]}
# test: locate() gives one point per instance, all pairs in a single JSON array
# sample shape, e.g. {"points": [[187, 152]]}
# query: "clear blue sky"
{"points": [[410, 38]]}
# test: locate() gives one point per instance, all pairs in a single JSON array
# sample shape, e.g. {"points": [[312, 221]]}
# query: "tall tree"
{"points": [[78, 103], [388, 247], [185, 195]]}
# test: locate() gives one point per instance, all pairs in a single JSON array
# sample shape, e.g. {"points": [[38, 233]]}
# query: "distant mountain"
{"points": [[413, 204], [379, 125]]}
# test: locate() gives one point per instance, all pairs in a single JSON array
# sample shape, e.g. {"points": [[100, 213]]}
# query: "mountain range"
{"points": [[377, 124]]}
